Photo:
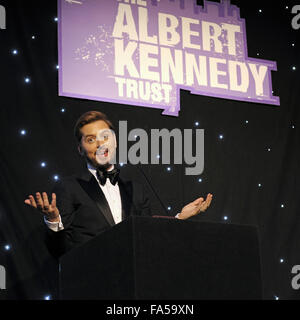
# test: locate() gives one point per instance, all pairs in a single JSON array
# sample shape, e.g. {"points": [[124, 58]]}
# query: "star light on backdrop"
{"points": [[43, 164]]}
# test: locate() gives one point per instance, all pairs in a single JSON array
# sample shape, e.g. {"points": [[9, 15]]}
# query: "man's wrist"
{"points": [[178, 216], [53, 220]]}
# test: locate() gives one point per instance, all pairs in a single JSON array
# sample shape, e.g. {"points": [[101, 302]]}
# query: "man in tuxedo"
{"points": [[93, 201]]}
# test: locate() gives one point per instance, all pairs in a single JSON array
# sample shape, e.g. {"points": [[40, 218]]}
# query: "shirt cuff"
{"points": [[54, 226]]}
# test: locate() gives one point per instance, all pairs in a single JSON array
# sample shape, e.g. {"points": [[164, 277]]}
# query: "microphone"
{"points": [[155, 193]]}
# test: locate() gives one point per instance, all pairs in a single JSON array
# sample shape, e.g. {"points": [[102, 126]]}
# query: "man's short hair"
{"points": [[89, 117]]}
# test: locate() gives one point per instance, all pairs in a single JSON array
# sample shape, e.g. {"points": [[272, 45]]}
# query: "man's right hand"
{"points": [[41, 202]]}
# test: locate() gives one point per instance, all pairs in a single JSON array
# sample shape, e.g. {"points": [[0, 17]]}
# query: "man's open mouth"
{"points": [[104, 152]]}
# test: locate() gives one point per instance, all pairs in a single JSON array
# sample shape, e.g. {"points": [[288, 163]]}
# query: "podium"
{"points": [[146, 258]]}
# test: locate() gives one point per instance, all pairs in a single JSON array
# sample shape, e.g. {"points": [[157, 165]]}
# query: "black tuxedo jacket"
{"points": [[85, 211]]}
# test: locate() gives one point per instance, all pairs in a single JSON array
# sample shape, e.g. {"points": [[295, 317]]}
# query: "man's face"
{"points": [[98, 144]]}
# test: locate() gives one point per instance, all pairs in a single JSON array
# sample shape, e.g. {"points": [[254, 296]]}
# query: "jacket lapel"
{"points": [[126, 197], [91, 187]]}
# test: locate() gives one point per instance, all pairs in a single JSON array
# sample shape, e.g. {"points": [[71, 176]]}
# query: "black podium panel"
{"points": [[156, 258]]}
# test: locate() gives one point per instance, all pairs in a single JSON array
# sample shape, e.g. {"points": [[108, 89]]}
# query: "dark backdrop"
{"points": [[253, 172]]}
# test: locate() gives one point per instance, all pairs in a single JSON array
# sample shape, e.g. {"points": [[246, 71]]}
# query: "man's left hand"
{"points": [[195, 207]]}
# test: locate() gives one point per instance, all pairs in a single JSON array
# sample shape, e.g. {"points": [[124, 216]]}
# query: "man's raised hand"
{"points": [[41, 202], [195, 207]]}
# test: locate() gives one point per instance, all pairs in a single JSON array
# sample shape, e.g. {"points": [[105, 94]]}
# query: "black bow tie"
{"points": [[113, 176]]}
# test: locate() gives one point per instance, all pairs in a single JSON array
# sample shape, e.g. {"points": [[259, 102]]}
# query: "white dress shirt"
{"points": [[112, 195]]}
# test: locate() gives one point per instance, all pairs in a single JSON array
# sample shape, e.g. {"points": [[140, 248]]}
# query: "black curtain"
{"points": [[253, 172]]}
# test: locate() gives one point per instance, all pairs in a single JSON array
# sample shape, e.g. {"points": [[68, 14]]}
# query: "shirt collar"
{"points": [[93, 170]]}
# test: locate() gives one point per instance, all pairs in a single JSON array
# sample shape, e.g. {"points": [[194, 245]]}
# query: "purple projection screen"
{"points": [[142, 52]]}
